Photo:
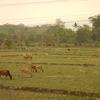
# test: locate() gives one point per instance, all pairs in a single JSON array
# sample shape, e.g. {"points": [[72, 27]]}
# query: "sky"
{"points": [[37, 12]]}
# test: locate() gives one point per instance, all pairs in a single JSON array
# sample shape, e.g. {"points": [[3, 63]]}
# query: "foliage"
{"points": [[2, 38], [84, 34], [95, 20], [8, 43], [51, 34]]}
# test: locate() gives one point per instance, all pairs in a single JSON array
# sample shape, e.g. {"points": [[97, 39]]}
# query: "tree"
{"points": [[15, 37], [48, 39], [8, 43], [95, 20], [60, 34], [83, 34], [70, 36], [60, 23], [32, 38], [75, 26], [2, 38]]}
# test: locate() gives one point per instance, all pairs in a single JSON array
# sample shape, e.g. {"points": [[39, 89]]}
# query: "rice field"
{"points": [[73, 74]]}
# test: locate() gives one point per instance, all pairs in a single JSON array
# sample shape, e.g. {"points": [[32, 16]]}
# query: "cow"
{"points": [[26, 70], [5, 73]]}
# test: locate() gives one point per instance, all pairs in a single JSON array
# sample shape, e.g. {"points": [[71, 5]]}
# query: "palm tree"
{"points": [[75, 25]]}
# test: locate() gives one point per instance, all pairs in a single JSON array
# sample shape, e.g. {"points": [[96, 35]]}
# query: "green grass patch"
{"points": [[63, 70]]}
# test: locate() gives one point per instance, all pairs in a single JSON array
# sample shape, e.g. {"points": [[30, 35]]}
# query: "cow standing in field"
{"points": [[33, 67], [94, 55], [26, 70], [40, 68], [5, 73], [27, 56], [68, 49]]}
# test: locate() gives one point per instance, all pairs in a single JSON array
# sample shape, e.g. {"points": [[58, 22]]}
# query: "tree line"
{"points": [[51, 34]]}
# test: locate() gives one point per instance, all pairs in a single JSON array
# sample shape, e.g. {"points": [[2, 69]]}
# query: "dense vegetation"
{"points": [[51, 35]]}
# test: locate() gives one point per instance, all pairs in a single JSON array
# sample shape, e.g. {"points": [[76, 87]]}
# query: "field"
{"points": [[68, 74]]}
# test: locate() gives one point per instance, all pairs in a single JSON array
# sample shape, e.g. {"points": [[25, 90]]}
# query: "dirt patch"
{"points": [[11, 55], [84, 65], [56, 91]]}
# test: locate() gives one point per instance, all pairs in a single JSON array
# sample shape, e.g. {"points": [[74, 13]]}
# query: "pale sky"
{"points": [[36, 12]]}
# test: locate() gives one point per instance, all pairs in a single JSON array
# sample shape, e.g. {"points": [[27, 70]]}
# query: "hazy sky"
{"points": [[46, 11]]}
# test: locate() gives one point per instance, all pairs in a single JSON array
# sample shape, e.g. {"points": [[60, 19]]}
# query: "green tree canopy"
{"points": [[95, 20]]}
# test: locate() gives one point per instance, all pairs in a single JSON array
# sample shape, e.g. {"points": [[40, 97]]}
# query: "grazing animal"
{"points": [[26, 70], [27, 56], [94, 55], [5, 73], [33, 67], [68, 49], [40, 67], [69, 58]]}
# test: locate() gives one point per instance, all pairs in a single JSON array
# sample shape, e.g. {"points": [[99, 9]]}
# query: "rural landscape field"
{"points": [[69, 74], [50, 50]]}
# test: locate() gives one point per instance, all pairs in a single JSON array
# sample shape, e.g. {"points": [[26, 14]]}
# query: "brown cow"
{"points": [[40, 67], [6, 73], [27, 56], [26, 70], [94, 55], [33, 67]]}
